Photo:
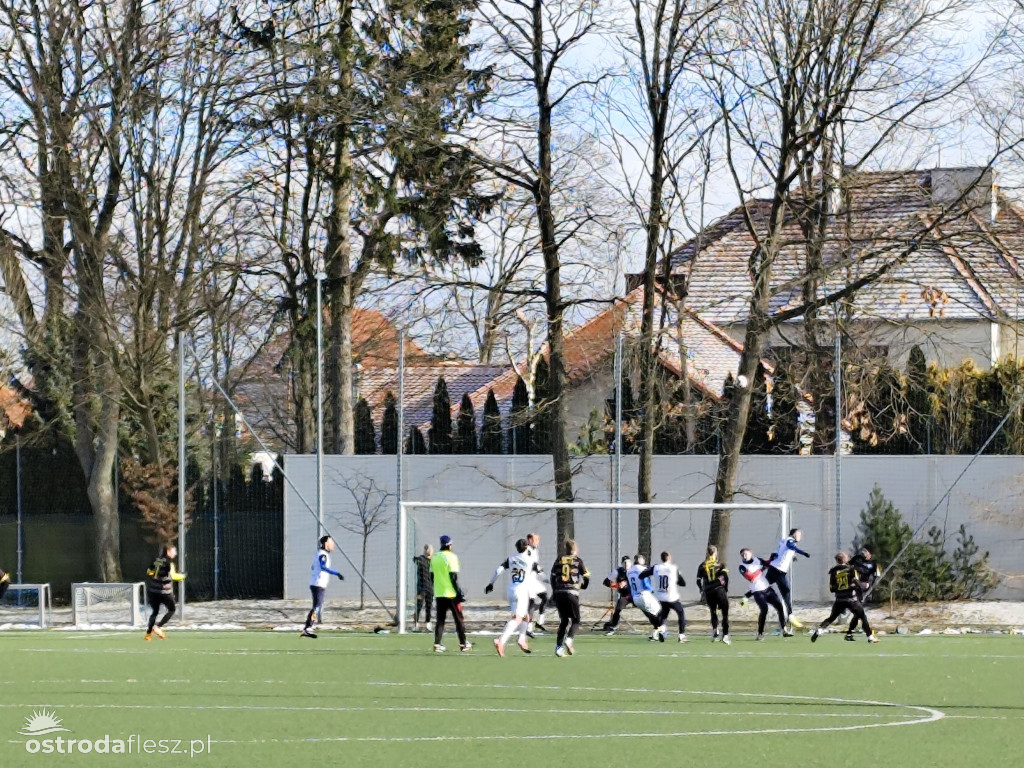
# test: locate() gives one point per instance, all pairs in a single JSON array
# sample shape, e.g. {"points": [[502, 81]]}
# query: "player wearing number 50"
{"points": [[568, 576], [520, 566], [842, 582], [444, 567], [159, 589], [321, 573]]}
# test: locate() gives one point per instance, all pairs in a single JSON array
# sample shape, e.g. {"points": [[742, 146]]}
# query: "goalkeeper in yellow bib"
{"points": [[160, 589]]}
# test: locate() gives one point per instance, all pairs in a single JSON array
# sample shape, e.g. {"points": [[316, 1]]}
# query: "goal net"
{"points": [[484, 534], [26, 605], [108, 604]]}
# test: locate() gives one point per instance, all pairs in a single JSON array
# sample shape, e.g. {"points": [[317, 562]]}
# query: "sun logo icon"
{"points": [[41, 722]]}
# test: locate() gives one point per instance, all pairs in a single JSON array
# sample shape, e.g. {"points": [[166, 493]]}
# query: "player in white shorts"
{"points": [[539, 594], [666, 581], [640, 591], [521, 570]]}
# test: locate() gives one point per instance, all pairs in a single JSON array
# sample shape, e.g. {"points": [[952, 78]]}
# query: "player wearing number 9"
{"points": [[568, 576]]}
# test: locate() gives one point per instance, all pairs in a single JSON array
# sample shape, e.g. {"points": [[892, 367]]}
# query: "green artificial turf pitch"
{"points": [[273, 699]]}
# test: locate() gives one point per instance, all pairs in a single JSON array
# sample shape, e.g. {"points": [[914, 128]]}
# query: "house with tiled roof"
{"points": [[949, 243], [263, 392]]}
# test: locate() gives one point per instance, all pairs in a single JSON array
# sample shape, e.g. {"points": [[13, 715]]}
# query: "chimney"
{"points": [[972, 185], [995, 204]]}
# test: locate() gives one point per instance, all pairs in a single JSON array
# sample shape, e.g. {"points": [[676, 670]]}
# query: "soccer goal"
{"points": [[28, 605], [114, 603], [484, 534]]}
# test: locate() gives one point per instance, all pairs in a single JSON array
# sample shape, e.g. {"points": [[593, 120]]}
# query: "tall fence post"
{"points": [[181, 466]]}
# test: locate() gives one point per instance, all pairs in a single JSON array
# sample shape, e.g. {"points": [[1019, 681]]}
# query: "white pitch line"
{"points": [[489, 710]]}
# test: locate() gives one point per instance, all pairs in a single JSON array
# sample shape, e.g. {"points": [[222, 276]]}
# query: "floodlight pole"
{"points": [[617, 498], [400, 543], [17, 457], [837, 376], [181, 467], [320, 277]]}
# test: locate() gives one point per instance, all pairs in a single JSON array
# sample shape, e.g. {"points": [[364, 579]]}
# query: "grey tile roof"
{"points": [[963, 266]]}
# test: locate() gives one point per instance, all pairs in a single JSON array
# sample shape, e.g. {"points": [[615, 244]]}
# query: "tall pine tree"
{"points": [[543, 408], [440, 432], [491, 437], [464, 440], [366, 438], [519, 420], [415, 444], [389, 426]]}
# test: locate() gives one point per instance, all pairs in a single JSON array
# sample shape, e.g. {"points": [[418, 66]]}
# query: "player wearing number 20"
{"points": [[521, 568], [568, 576], [842, 582]]}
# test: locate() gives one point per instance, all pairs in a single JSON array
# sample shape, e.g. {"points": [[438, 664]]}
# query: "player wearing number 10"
{"points": [[520, 566], [568, 576]]}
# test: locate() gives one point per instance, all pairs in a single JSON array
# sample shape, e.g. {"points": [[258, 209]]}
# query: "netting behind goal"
{"points": [[26, 605], [485, 534], [114, 603]]}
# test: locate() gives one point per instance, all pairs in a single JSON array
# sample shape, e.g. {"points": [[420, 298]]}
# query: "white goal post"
{"points": [[27, 601], [108, 603], [483, 533]]}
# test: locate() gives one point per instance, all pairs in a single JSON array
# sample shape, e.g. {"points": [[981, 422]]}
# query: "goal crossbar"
{"points": [[404, 507]]}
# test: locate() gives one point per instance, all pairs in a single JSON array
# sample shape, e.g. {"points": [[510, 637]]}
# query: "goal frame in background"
{"points": [[44, 599], [133, 610], [404, 508]]}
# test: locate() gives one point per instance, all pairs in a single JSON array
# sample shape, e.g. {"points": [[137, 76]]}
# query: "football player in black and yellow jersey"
{"points": [[842, 582], [568, 576], [713, 582]]}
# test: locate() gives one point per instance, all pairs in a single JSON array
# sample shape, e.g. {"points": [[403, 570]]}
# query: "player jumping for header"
{"points": [[519, 566], [777, 572], [842, 582]]}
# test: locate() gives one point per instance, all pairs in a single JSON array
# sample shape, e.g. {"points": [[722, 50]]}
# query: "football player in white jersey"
{"points": [[666, 581], [778, 570], [321, 573], [752, 569], [521, 569], [539, 594], [640, 591]]}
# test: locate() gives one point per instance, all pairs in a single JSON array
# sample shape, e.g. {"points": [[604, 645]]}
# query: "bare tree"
{"points": [[532, 45], [371, 510], [662, 51], [808, 75]]}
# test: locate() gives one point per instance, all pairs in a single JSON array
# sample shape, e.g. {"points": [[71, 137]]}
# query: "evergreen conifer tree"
{"points": [[491, 437], [415, 444], [389, 426], [519, 420], [464, 440], [542, 410], [365, 437], [440, 432]]}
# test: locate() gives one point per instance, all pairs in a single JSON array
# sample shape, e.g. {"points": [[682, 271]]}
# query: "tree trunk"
{"points": [[758, 325], [565, 519], [362, 570]]}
